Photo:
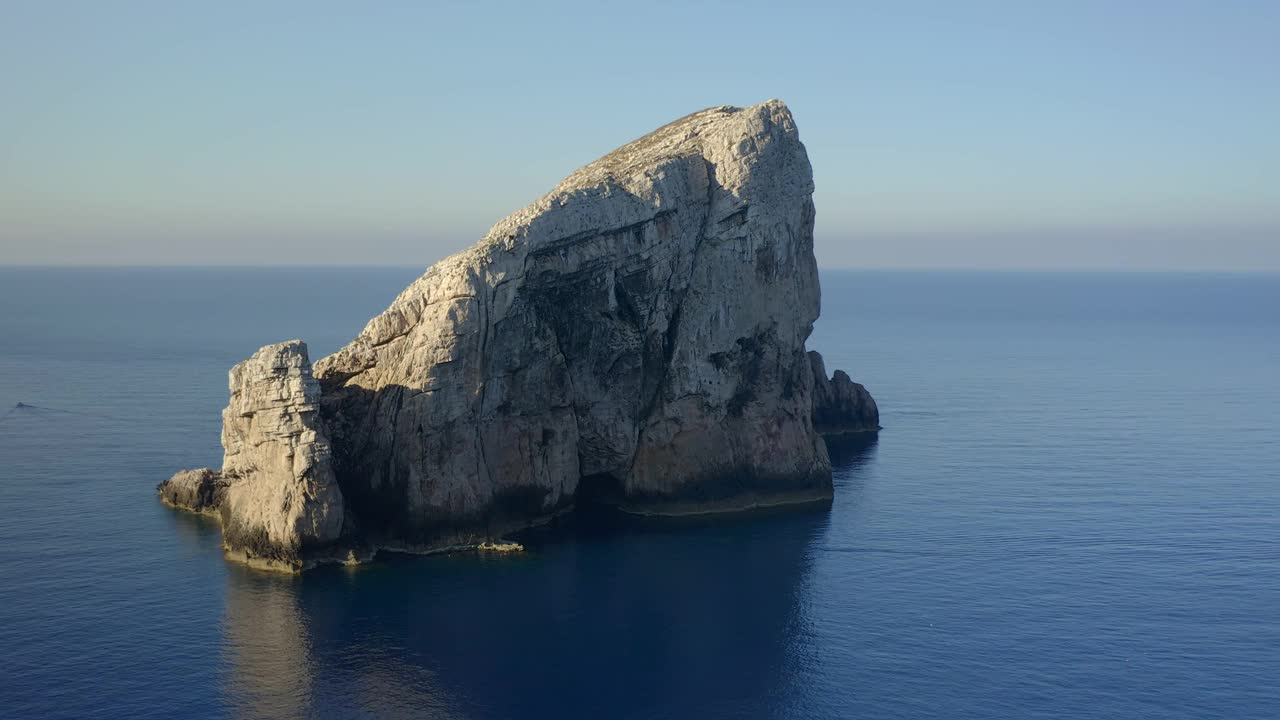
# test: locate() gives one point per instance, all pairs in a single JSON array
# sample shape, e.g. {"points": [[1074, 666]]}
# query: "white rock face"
{"points": [[640, 328], [636, 336], [282, 501]]}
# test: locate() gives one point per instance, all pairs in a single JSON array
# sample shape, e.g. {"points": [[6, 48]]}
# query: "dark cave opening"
{"points": [[601, 492], [596, 505]]}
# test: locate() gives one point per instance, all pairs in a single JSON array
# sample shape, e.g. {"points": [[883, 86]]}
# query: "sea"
{"points": [[1073, 511]]}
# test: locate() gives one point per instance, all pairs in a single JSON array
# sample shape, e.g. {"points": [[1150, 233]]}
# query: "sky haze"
{"points": [[1055, 135]]}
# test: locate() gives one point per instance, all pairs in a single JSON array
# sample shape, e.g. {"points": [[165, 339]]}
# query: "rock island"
{"points": [[635, 336]]}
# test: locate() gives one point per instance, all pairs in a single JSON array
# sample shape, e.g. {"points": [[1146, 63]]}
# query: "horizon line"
{"points": [[1093, 270]]}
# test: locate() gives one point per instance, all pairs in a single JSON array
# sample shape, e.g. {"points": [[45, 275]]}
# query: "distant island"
{"points": [[635, 337]]}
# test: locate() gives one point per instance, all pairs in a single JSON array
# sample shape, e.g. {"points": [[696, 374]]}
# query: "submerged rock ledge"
{"points": [[635, 337]]}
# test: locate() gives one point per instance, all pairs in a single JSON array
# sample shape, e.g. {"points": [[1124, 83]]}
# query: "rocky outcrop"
{"points": [[201, 490], [283, 504], [279, 502], [840, 405], [636, 336]]}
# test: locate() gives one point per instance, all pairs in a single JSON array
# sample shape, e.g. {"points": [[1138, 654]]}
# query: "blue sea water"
{"points": [[1073, 512]]}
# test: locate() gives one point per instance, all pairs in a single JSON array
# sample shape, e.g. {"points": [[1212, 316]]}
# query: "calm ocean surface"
{"points": [[1073, 512]]}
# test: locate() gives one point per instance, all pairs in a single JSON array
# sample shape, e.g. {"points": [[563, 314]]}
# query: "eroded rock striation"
{"points": [[636, 336], [276, 494]]}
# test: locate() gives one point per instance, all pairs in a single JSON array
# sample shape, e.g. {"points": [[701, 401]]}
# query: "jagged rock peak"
{"points": [[840, 405], [627, 166]]}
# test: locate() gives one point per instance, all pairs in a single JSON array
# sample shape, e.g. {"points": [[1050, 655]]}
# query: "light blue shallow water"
{"points": [[1073, 512]]}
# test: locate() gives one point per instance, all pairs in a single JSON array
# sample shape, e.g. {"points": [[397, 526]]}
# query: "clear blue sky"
{"points": [[1127, 135]]}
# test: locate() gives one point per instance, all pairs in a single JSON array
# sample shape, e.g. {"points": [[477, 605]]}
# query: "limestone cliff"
{"points": [[637, 334]]}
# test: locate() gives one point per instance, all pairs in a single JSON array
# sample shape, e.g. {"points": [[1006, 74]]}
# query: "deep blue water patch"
{"points": [[1073, 512]]}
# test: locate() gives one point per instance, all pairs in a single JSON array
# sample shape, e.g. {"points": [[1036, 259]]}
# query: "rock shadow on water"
{"points": [[849, 452], [594, 620]]}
